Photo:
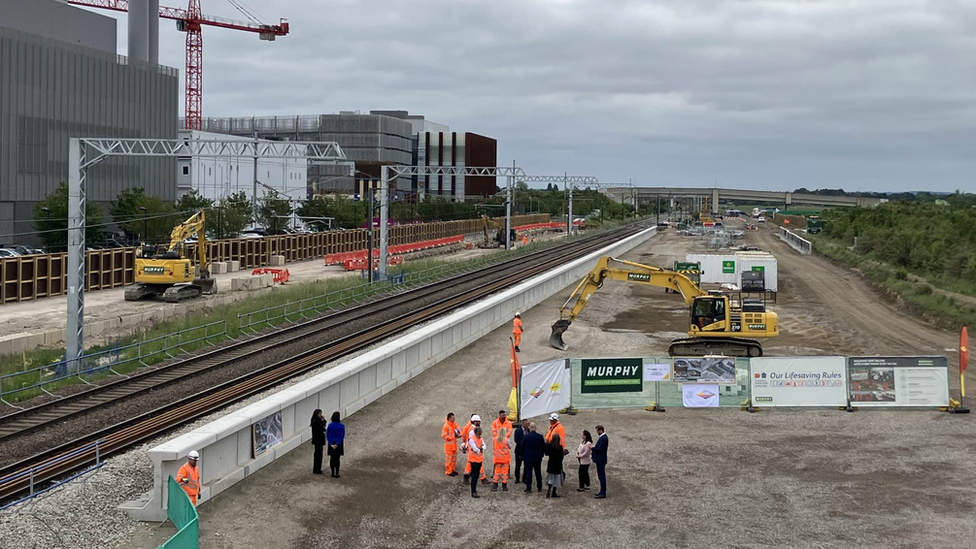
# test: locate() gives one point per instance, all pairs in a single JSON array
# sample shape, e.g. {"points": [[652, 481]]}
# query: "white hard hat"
{"points": [[193, 455], [518, 313], [554, 416], [475, 417]]}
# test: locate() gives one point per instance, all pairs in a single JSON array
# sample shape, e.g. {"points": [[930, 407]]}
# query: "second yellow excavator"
{"points": [[171, 274], [718, 326]]}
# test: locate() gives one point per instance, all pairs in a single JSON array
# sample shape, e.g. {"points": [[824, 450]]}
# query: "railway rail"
{"points": [[66, 457]]}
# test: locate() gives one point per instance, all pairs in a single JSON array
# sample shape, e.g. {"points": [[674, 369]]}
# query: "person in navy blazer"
{"points": [[533, 449], [599, 454]]}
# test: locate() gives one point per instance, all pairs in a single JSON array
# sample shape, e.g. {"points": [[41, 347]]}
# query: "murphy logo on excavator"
{"points": [[639, 277]]}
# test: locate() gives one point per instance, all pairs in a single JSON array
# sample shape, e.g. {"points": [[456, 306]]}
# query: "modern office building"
{"points": [[216, 178], [461, 150], [374, 140], [60, 77], [369, 140]]}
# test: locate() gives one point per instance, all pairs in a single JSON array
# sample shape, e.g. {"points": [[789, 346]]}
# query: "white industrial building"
{"points": [[216, 178]]}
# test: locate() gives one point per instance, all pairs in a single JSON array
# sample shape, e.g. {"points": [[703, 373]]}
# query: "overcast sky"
{"points": [[766, 94]]}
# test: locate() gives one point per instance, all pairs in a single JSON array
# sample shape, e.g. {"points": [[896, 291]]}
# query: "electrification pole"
{"points": [[569, 205], [384, 213], [508, 209]]}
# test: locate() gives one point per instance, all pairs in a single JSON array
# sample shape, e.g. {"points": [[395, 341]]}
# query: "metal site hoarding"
{"points": [[799, 381], [887, 381]]}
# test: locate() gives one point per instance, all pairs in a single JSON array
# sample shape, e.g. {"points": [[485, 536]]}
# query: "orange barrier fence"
{"points": [[339, 259]]}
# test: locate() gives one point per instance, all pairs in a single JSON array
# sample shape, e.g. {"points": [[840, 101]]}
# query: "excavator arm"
{"points": [[630, 272], [194, 225]]}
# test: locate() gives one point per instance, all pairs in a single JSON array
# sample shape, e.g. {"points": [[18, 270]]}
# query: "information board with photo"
{"points": [[266, 433], [799, 381], [720, 370], [899, 381]]}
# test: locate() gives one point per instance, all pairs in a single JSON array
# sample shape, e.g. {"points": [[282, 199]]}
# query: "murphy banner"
{"points": [[611, 375], [887, 381], [799, 381]]}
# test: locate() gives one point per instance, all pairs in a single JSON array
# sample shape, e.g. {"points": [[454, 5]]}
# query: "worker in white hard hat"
{"points": [[517, 330], [466, 433], [189, 476], [556, 428]]}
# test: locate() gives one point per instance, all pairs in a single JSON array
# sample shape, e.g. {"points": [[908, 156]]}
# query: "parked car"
{"points": [[7, 253]]}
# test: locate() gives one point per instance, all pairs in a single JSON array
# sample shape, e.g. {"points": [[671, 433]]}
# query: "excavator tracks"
{"points": [[721, 346]]}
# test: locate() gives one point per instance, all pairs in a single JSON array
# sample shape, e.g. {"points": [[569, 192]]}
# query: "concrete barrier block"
{"points": [[218, 268], [233, 266], [237, 283], [35, 341], [277, 261], [95, 329], [267, 280], [52, 338]]}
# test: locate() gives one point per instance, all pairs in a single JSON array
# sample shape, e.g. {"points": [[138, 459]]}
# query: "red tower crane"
{"points": [[191, 21]]}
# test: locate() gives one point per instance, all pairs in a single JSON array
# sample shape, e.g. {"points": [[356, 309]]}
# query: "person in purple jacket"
{"points": [[335, 434]]}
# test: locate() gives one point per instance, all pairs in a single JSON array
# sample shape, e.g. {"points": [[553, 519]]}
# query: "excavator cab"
{"points": [[710, 313]]}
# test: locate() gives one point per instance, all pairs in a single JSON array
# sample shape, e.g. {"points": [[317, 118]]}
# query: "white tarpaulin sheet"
{"points": [[545, 387], [799, 381], [694, 395]]}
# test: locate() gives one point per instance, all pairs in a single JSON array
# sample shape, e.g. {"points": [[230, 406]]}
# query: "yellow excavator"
{"points": [[499, 227], [171, 274], [718, 326]]}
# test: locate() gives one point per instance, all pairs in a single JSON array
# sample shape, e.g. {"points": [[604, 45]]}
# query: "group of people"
{"points": [[530, 449], [332, 436]]}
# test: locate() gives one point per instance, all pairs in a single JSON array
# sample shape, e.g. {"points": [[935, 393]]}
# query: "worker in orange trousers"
{"points": [[517, 330], [189, 477], [450, 433], [501, 457]]}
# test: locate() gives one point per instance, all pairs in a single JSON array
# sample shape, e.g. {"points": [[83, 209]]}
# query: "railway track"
{"points": [[69, 456]]}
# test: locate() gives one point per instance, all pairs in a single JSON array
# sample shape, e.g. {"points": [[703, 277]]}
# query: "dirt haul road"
{"points": [[830, 307]]}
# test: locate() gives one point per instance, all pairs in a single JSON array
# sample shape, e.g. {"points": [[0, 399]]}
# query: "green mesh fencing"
{"points": [[184, 516], [663, 393]]}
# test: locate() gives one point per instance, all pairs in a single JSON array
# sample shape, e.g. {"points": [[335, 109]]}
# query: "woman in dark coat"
{"points": [[318, 440], [554, 468], [335, 434]]}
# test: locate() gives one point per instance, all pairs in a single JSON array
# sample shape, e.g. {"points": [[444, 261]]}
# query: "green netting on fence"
{"points": [[663, 393], [184, 516]]}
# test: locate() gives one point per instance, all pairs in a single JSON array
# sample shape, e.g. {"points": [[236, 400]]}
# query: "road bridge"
{"points": [[740, 196]]}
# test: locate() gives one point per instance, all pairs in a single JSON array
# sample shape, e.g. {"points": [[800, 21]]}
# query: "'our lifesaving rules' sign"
{"points": [[611, 375]]}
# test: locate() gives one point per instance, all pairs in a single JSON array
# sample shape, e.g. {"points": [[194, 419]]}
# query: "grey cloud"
{"points": [[869, 94]]}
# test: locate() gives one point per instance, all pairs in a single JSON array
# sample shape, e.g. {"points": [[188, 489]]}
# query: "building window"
{"points": [[186, 170]]}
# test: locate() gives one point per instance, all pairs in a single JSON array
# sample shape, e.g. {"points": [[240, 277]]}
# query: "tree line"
{"points": [[144, 218], [931, 240]]}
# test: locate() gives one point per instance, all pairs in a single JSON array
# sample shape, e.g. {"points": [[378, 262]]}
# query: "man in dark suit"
{"points": [[520, 433], [599, 454], [533, 449]]}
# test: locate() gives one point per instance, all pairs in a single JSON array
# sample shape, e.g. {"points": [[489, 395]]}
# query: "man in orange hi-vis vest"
{"points": [[517, 330], [465, 435], [450, 433], [501, 456], [556, 428], [189, 477]]}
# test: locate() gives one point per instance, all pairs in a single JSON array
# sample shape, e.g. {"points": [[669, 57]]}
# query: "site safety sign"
{"points": [[799, 381]]}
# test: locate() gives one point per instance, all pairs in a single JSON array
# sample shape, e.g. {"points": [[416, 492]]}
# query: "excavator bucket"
{"points": [[556, 339]]}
